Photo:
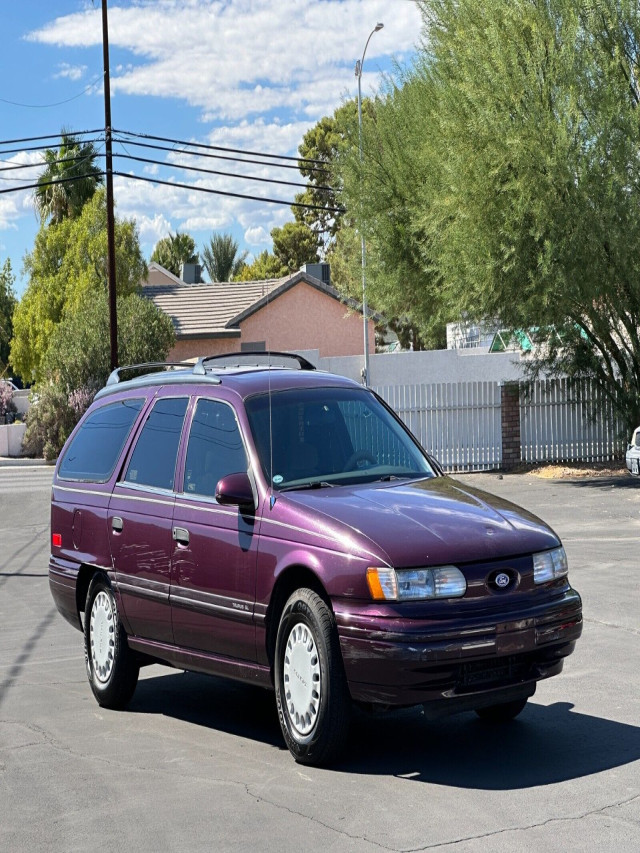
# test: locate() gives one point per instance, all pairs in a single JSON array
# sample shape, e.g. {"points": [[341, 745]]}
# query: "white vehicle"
{"points": [[633, 453]]}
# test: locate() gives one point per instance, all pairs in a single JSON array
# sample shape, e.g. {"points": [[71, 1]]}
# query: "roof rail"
{"points": [[114, 376], [234, 359]]}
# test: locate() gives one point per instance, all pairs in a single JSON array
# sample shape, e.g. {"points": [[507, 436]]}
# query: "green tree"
{"points": [[174, 250], [77, 362], [67, 263], [74, 160], [294, 245], [7, 308], [78, 355], [515, 190], [323, 144], [264, 267], [221, 259]]}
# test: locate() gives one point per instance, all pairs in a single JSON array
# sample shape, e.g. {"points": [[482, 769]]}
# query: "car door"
{"points": [[140, 520], [215, 547]]}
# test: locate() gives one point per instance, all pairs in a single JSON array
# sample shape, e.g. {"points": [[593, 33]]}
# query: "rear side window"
{"points": [[94, 451], [153, 462], [215, 448]]}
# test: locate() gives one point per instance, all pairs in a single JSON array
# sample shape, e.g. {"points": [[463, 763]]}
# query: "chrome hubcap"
{"points": [[302, 679], [102, 636]]}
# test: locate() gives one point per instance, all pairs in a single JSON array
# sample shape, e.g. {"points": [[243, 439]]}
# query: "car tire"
{"points": [[314, 706], [111, 667], [502, 713]]}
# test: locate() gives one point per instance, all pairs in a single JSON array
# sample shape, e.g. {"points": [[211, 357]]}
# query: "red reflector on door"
{"points": [[56, 540]]}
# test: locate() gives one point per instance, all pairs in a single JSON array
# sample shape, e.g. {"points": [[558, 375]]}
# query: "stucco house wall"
{"points": [[304, 317]]}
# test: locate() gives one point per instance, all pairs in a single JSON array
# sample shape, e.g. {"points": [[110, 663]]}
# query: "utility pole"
{"points": [[111, 245]]}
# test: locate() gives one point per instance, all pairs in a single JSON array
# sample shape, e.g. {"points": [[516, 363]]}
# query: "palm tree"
{"points": [[74, 159], [221, 258], [174, 250]]}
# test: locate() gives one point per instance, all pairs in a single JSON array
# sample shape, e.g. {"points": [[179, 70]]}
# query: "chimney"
{"points": [[191, 273], [320, 271]]}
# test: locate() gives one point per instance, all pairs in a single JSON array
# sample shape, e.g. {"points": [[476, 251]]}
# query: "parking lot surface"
{"points": [[199, 764]]}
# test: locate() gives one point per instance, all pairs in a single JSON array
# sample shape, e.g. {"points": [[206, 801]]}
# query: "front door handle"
{"points": [[117, 524], [181, 535]]}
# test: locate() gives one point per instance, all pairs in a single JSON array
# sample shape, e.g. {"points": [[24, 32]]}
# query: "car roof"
{"points": [[245, 380]]}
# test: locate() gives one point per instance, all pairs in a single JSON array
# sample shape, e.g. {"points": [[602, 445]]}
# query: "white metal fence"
{"points": [[562, 421], [460, 423]]}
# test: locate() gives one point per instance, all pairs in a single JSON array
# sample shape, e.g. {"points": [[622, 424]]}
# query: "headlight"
{"points": [[549, 565], [415, 584]]}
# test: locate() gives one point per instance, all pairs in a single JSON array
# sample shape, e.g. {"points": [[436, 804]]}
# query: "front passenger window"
{"points": [[215, 448]]}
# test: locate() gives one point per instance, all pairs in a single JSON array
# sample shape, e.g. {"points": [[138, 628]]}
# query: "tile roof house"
{"points": [[298, 312]]}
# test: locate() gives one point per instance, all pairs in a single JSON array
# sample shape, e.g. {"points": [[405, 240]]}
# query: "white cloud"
{"points": [[70, 72], [256, 236], [238, 58]]}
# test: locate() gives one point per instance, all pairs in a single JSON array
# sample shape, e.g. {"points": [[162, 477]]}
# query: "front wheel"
{"points": [[314, 706], [501, 713], [111, 667]]}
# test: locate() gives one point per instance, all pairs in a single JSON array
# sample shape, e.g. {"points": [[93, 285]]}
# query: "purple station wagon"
{"points": [[282, 527]]}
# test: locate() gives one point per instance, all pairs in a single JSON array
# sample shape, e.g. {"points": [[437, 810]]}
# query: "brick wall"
{"points": [[511, 448]]}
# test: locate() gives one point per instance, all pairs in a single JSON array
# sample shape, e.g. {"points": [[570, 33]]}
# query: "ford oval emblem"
{"points": [[502, 580]]}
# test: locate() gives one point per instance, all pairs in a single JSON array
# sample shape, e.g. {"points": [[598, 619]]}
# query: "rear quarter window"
{"points": [[97, 445]]}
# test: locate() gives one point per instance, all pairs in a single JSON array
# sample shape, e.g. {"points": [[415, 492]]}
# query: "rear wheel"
{"points": [[502, 713], [314, 706], [111, 667]]}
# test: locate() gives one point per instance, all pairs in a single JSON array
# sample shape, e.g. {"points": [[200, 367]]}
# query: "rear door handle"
{"points": [[181, 535], [117, 524]]}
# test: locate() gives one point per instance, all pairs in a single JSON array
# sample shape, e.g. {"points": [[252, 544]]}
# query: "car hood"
{"points": [[432, 521]]}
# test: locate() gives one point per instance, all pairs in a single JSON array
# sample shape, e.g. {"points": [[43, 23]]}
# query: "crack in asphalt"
{"points": [[570, 818], [48, 739], [604, 624]]}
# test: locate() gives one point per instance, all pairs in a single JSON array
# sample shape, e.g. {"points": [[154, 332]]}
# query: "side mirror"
{"points": [[235, 490]]}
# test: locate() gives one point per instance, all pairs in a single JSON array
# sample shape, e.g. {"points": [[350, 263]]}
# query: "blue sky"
{"points": [[248, 74]]}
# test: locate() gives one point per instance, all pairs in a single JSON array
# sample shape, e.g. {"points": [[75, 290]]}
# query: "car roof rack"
{"points": [[114, 376], [235, 359]]}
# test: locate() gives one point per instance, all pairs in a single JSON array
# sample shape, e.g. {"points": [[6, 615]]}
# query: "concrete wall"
{"points": [[415, 368], [11, 436]]}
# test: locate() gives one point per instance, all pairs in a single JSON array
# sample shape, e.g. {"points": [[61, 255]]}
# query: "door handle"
{"points": [[117, 524], [181, 535]]}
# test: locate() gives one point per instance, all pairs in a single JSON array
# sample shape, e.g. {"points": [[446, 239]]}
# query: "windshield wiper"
{"points": [[316, 484]]}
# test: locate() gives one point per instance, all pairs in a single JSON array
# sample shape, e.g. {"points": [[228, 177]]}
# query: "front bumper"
{"points": [[457, 663]]}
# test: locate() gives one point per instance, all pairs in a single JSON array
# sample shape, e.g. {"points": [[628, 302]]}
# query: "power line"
{"points": [[79, 158], [58, 135], [200, 170], [177, 185], [48, 183], [41, 147], [220, 147], [224, 193], [217, 156], [56, 103]]}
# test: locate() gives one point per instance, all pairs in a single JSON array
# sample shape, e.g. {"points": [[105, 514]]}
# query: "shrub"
{"points": [[51, 418], [7, 405]]}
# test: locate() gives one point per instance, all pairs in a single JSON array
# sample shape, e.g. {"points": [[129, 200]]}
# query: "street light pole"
{"points": [[111, 251], [365, 319]]}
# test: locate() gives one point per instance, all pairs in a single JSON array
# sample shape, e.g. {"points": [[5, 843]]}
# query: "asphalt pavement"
{"points": [[198, 764]]}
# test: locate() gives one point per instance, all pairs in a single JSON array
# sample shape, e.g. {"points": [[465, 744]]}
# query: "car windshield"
{"points": [[331, 436]]}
